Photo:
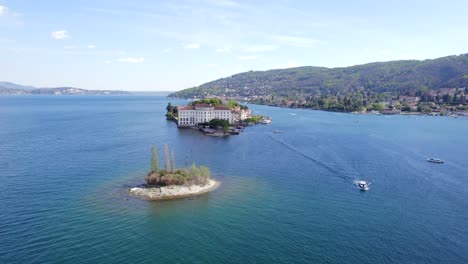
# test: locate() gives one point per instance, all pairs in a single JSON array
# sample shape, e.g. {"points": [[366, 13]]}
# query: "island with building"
{"points": [[214, 117], [171, 182]]}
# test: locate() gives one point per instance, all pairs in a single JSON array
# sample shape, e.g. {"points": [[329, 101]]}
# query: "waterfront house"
{"points": [[410, 99]]}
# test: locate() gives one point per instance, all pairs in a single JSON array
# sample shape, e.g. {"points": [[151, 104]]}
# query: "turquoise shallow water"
{"points": [[65, 164]]}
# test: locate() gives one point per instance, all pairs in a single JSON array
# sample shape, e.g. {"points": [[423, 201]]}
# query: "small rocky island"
{"points": [[171, 183]]}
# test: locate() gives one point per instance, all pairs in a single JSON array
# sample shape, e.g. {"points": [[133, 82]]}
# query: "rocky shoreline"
{"points": [[173, 191]]}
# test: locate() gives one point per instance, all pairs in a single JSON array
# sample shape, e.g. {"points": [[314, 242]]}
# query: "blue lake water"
{"points": [[66, 163]]}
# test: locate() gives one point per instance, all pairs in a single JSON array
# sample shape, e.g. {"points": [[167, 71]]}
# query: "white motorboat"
{"points": [[362, 185], [435, 160]]}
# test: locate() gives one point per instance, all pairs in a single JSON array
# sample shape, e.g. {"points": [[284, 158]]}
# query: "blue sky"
{"points": [[170, 45]]}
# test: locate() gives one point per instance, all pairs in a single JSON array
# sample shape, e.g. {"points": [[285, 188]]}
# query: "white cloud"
{"points": [[60, 34], [212, 65], [167, 50], [192, 46], [70, 47], [132, 60], [247, 57], [91, 46], [260, 48], [3, 10], [223, 50], [107, 62], [7, 12], [296, 41]]}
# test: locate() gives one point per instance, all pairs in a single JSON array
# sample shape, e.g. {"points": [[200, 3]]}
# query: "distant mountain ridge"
{"points": [[10, 85], [12, 88], [402, 77]]}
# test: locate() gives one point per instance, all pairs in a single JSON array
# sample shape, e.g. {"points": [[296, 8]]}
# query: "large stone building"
{"points": [[193, 114]]}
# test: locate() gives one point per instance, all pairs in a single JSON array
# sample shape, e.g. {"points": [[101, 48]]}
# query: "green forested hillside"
{"points": [[400, 77]]}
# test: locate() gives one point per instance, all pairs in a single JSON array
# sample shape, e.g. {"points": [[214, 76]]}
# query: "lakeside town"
{"points": [[441, 102]]}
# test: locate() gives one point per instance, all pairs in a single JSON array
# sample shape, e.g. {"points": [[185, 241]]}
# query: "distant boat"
{"points": [[277, 131], [265, 121], [435, 160], [235, 131], [362, 185]]}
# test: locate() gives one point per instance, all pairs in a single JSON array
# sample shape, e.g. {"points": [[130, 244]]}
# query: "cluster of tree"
{"points": [[172, 111], [233, 103], [216, 123], [253, 119], [210, 101], [356, 102], [170, 175], [338, 103], [449, 99], [218, 102], [328, 87]]}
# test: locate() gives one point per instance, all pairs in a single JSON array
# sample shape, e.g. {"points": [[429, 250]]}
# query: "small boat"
{"points": [[277, 131], [265, 121], [235, 131], [435, 160], [362, 185]]}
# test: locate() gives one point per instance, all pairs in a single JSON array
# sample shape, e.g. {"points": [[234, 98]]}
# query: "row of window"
{"points": [[210, 117], [204, 114], [183, 113], [184, 119], [191, 121], [185, 123]]}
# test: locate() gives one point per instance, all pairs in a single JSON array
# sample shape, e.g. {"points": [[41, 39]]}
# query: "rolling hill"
{"points": [[398, 77]]}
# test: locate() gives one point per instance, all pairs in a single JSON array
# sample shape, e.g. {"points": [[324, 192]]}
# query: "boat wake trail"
{"points": [[321, 164]]}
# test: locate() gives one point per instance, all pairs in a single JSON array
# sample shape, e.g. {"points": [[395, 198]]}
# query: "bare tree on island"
{"points": [[153, 177], [154, 159], [195, 173], [205, 174], [173, 166], [172, 176], [166, 158]]}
